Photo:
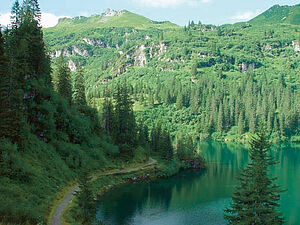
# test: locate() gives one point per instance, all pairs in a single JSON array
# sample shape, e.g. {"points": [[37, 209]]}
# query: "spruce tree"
{"points": [[194, 69], [179, 101], [108, 115], [85, 201], [79, 89], [5, 125], [124, 127], [256, 198], [63, 79]]}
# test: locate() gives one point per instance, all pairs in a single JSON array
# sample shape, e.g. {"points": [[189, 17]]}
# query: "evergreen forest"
{"points": [[129, 98]]}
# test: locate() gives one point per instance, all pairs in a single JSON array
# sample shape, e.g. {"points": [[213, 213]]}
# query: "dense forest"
{"points": [[212, 82], [78, 98], [49, 135]]}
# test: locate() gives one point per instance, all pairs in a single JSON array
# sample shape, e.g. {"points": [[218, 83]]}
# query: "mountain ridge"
{"points": [[113, 18], [278, 14]]}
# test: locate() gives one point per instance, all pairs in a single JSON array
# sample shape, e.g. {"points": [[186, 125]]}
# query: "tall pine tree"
{"points": [[124, 127], [63, 79], [256, 199], [79, 88], [5, 111]]}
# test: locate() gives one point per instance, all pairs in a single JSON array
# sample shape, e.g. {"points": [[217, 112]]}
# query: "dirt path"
{"points": [[56, 219]]}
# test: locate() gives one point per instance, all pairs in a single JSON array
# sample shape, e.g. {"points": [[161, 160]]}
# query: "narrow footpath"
{"points": [[56, 219]]}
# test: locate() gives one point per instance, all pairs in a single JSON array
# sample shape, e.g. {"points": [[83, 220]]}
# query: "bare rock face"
{"points": [[81, 52], [95, 42], [110, 12], [75, 51], [140, 56], [296, 46], [72, 66], [57, 53]]}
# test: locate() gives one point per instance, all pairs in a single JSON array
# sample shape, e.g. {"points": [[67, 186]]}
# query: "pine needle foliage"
{"points": [[255, 200]]}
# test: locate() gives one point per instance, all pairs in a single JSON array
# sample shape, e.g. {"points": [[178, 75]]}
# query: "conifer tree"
{"points": [[194, 69], [5, 122], [179, 101], [79, 88], [220, 125], [256, 198], [29, 68], [124, 128], [166, 146], [108, 115], [63, 79], [85, 201], [241, 124]]}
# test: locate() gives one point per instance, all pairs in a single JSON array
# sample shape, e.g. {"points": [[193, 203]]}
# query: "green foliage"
{"points": [[124, 129], [63, 79], [161, 142], [79, 89], [85, 201], [279, 14], [48, 142], [207, 79], [256, 199], [123, 18]]}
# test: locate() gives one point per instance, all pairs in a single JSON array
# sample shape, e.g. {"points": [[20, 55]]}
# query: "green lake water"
{"points": [[199, 197]]}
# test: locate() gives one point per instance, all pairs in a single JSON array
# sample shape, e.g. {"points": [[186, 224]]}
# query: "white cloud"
{"points": [[4, 19], [245, 16], [48, 19], [169, 3]]}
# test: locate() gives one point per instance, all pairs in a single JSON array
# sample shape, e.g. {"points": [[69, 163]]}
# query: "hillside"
{"points": [[278, 14], [167, 67], [102, 95], [110, 18]]}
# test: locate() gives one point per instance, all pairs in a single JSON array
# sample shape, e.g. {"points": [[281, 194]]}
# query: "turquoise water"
{"points": [[199, 197]]}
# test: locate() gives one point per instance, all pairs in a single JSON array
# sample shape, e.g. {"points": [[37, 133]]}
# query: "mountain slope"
{"points": [[111, 18], [168, 69], [279, 14]]}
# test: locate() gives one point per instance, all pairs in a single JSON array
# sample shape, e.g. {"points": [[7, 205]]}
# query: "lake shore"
{"points": [[105, 184]]}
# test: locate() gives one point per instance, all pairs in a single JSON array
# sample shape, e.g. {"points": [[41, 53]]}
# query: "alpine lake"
{"points": [[200, 196]]}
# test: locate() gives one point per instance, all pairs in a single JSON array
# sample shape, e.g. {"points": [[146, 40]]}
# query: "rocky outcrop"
{"points": [[57, 53], [296, 46], [74, 51], [95, 42], [140, 56], [82, 52], [111, 12], [72, 65]]}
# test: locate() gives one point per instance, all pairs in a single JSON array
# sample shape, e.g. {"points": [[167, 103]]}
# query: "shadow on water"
{"points": [[199, 197]]}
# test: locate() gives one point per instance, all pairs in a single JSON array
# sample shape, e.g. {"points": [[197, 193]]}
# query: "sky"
{"points": [[177, 11]]}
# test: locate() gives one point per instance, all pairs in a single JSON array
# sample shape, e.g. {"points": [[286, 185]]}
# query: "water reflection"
{"points": [[198, 197]]}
